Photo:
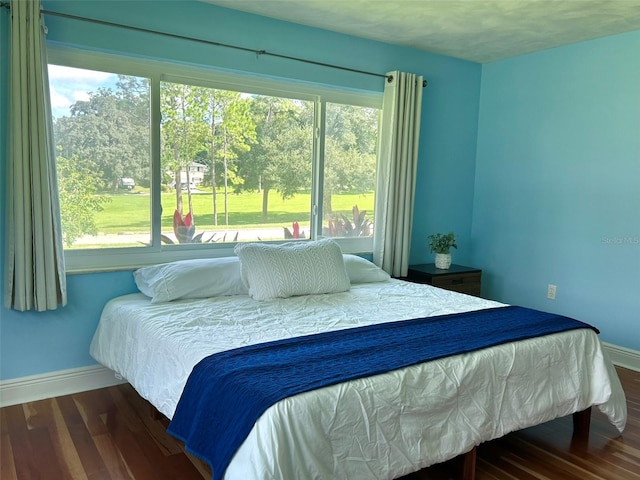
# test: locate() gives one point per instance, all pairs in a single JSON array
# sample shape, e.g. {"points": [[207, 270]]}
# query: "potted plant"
{"points": [[441, 244]]}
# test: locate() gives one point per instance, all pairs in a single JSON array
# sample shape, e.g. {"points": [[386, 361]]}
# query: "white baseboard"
{"points": [[55, 384], [623, 357], [65, 382]]}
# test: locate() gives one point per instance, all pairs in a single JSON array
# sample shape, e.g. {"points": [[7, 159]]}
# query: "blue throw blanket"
{"points": [[227, 392]]}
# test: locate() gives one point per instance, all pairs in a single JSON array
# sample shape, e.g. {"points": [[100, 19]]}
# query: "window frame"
{"points": [[157, 71]]}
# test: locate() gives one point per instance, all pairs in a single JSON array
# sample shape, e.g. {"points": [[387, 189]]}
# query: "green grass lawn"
{"points": [[130, 212]]}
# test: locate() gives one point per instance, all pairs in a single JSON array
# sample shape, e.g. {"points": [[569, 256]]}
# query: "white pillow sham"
{"points": [[197, 278], [287, 270], [361, 270]]}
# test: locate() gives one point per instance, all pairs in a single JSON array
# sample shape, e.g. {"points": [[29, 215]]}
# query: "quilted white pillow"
{"points": [[361, 270], [298, 268], [198, 278]]}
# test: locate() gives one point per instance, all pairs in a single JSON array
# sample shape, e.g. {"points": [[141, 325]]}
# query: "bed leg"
{"points": [[581, 425], [467, 466], [155, 413]]}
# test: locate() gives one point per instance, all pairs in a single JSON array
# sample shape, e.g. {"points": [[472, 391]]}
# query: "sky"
{"points": [[68, 85]]}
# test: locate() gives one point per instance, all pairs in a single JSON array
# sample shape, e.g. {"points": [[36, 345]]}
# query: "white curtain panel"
{"points": [[397, 165], [34, 261]]}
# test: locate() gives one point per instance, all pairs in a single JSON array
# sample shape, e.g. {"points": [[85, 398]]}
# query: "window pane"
{"points": [[236, 166], [102, 134], [351, 135]]}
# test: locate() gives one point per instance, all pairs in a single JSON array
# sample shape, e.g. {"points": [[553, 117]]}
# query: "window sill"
{"points": [[114, 259]]}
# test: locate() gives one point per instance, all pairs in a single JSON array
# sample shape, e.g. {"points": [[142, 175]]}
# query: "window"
{"points": [[102, 134], [351, 136], [157, 163], [240, 163]]}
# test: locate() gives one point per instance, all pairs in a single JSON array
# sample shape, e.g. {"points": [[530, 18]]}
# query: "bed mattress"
{"points": [[379, 427]]}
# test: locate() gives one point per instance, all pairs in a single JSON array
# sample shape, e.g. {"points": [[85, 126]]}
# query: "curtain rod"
{"points": [[210, 42]]}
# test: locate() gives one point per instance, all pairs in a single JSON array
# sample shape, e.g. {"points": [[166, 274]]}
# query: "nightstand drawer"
{"points": [[469, 283], [457, 278]]}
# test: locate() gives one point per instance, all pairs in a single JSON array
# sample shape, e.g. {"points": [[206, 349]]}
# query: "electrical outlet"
{"points": [[551, 292]]}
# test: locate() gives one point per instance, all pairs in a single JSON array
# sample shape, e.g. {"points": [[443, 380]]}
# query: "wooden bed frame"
{"points": [[581, 426], [467, 461]]}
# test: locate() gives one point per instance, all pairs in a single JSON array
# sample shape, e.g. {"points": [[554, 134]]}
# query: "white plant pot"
{"points": [[443, 261]]}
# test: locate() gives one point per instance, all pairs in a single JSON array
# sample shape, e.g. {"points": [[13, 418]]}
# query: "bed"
{"points": [[382, 426]]}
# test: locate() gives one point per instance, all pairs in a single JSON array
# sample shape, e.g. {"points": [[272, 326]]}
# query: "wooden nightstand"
{"points": [[457, 278]]}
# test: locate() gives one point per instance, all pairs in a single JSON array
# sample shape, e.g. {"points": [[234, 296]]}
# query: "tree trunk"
{"points": [[178, 180], [189, 190], [265, 203], [213, 191], [327, 209], [226, 183], [213, 163]]}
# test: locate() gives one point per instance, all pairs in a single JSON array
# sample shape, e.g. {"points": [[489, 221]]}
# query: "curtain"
{"points": [[397, 164], [34, 262]]}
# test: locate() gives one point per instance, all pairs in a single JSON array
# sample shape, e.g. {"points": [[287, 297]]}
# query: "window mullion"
{"points": [[318, 169], [156, 169]]}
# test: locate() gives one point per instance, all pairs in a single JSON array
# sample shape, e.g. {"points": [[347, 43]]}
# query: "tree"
{"points": [[133, 95], [110, 131], [281, 157], [183, 132], [77, 188], [230, 127], [350, 151]]}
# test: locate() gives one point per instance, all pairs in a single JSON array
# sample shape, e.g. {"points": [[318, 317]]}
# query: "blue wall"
{"points": [[33, 343], [557, 192]]}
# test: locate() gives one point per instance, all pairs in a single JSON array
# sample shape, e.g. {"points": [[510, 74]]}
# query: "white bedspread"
{"points": [[379, 427]]}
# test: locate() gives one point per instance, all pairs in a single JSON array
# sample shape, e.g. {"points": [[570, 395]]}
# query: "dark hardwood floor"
{"points": [[110, 434]]}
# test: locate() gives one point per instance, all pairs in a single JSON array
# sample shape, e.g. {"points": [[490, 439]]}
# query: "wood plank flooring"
{"points": [[110, 434]]}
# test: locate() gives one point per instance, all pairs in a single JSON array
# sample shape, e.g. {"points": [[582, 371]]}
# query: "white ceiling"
{"points": [[478, 30]]}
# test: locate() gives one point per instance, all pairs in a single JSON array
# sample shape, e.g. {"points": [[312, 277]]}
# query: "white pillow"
{"points": [[361, 270], [198, 278], [298, 268]]}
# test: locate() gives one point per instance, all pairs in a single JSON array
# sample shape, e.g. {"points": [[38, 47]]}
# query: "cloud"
{"points": [[69, 85], [58, 100]]}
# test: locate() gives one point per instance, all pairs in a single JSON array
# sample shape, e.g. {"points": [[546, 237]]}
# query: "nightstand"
{"points": [[457, 278]]}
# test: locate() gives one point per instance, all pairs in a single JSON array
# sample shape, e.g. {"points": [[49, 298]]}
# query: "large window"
{"points": [[157, 162]]}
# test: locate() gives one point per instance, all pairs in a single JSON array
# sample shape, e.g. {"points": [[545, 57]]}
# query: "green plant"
{"points": [[339, 225], [441, 242], [79, 199]]}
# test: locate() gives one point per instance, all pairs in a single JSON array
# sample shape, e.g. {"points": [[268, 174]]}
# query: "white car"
{"points": [[127, 183]]}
